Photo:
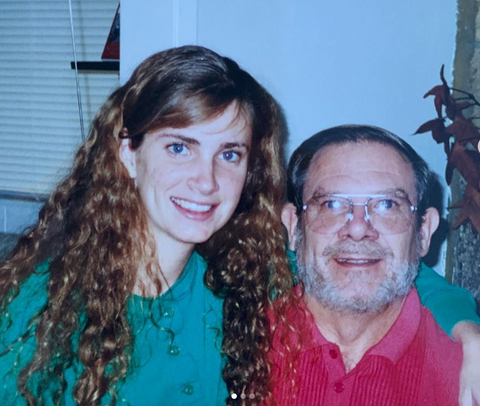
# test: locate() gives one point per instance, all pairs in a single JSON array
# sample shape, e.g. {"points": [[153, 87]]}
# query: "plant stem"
{"points": [[469, 95]]}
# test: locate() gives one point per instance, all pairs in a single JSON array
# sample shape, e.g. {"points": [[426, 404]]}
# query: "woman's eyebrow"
{"points": [[229, 145], [193, 141], [187, 140]]}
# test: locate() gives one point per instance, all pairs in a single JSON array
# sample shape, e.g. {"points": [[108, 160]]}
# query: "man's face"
{"points": [[358, 268]]}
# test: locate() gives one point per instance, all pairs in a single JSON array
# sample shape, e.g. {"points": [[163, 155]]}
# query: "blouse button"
{"points": [[333, 354], [339, 387], [188, 389], [168, 312], [173, 350]]}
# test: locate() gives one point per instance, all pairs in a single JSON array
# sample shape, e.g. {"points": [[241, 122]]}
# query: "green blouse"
{"points": [[177, 351], [177, 344]]}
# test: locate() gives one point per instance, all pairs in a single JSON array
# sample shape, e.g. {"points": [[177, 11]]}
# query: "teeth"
{"points": [[192, 206], [356, 261]]}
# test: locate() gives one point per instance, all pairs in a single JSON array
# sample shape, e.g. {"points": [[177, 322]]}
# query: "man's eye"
{"points": [[230, 156], [386, 205], [177, 149], [333, 205]]}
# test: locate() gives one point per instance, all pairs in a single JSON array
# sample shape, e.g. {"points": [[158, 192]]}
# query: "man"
{"points": [[359, 221]]}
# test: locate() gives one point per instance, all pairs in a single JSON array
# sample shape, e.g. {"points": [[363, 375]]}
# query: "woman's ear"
{"points": [[290, 221], [128, 157]]}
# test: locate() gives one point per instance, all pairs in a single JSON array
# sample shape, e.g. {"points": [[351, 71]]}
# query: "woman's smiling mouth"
{"points": [[191, 206]]}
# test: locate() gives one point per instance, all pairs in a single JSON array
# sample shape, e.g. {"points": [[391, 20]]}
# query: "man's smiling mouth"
{"points": [[357, 261]]}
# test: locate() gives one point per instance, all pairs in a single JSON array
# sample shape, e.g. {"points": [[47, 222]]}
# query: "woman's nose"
{"points": [[204, 177]]}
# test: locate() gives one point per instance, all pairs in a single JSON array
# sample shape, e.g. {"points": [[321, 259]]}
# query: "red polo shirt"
{"points": [[416, 363]]}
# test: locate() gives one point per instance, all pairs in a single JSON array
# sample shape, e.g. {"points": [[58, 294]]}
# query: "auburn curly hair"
{"points": [[93, 231]]}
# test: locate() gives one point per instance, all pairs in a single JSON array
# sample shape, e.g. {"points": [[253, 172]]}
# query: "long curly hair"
{"points": [[93, 231]]}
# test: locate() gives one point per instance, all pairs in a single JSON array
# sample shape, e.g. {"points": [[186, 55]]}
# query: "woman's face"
{"points": [[190, 179]]}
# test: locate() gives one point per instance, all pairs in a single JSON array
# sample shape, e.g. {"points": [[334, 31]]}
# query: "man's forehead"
{"points": [[361, 167]]}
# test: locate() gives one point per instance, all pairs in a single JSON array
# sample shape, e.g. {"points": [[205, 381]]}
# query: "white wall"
{"points": [[326, 62], [149, 26]]}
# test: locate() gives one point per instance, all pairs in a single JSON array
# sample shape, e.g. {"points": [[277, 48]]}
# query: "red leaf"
{"points": [[437, 128], [428, 126], [438, 92], [443, 97], [472, 194], [448, 100], [466, 162], [450, 108], [474, 216], [463, 106], [470, 209], [463, 130], [473, 199], [434, 91], [460, 218]]}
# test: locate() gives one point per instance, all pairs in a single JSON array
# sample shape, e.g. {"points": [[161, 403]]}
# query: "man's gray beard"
{"points": [[396, 285]]}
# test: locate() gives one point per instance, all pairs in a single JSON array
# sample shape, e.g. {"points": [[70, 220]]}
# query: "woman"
{"points": [[185, 155], [104, 301]]}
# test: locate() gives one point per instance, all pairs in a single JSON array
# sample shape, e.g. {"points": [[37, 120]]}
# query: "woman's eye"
{"points": [[230, 156], [178, 149]]}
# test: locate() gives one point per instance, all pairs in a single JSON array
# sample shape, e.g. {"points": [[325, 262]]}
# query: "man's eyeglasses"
{"points": [[388, 214]]}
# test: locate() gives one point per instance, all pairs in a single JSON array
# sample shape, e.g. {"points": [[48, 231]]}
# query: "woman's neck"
{"points": [[172, 259]]}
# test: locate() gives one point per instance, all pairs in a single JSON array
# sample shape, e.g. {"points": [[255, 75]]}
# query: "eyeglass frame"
{"points": [[350, 215]]}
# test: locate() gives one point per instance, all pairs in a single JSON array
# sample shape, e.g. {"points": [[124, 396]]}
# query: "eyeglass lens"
{"points": [[389, 215]]}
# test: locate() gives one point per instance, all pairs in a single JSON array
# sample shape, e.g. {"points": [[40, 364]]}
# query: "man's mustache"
{"points": [[368, 249]]}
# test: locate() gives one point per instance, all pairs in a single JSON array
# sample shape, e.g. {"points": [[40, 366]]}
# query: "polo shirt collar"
{"points": [[394, 343]]}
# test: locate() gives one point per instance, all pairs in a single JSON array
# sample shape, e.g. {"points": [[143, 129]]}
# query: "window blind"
{"points": [[39, 119]]}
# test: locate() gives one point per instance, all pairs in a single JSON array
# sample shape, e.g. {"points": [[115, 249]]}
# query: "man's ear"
{"points": [[430, 222], [290, 221], [128, 157]]}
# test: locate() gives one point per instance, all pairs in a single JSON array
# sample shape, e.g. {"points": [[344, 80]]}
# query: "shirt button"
{"points": [[168, 312], [173, 350], [333, 354], [339, 387], [188, 389]]}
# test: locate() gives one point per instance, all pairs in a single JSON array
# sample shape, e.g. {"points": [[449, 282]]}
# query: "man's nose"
{"points": [[204, 177], [358, 226]]}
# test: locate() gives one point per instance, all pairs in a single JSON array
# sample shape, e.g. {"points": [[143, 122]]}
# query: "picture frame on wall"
{"points": [[111, 51]]}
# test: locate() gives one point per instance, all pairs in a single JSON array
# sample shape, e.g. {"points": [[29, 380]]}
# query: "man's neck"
{"points": [[354, 333]]}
